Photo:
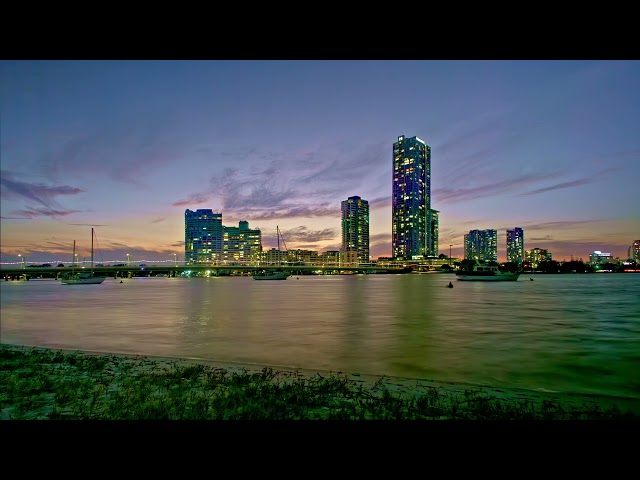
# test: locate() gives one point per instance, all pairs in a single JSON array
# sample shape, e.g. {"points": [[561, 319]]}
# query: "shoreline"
{"points": [[404, 386]]}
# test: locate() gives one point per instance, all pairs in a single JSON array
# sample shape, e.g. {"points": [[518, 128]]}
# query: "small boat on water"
{"points": [[486, 273], [82, 278], [278, 274], [273, 275]]}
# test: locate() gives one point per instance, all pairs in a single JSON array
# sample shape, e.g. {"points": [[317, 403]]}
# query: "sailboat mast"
{"points": [[92, 250]]}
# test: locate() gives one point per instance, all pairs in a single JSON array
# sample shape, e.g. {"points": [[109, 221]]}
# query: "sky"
{"points": [[126, 146]]}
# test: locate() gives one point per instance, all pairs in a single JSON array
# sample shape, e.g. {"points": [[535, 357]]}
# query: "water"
{"points": [[575, 333]]}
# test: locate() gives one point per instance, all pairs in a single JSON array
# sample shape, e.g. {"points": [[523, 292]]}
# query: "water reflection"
{"points": [[561, 332]]}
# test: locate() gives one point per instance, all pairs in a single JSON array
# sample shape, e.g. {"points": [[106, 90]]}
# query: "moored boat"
{"points": [[278, 274], [273, 275], [82, 278], [486, 273]]}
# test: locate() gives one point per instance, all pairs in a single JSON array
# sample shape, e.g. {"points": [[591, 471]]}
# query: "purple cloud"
{"points": [[39, 198], [194, 200]]}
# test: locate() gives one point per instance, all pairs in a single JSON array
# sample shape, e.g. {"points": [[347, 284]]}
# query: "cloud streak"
{"points": [[490, 189], [40, 198], [598, 176], [297, 185]]}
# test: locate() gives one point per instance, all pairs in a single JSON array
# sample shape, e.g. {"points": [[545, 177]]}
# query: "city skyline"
{"points": [[127, 146]]}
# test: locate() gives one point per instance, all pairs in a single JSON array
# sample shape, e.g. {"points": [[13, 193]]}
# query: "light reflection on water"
{"points": [[577, 333]]}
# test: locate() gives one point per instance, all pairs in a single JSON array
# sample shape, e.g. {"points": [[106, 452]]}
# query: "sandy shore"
{"points": [[408, 386]]}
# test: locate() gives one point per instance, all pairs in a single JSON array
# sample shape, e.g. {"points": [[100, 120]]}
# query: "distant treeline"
{"points": [[577, 266], [553, 266]]}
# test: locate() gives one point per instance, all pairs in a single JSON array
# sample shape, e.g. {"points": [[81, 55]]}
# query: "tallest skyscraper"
{"points": [[411, 214]]}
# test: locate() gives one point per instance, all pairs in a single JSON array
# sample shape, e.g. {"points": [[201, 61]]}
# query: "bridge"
{"points": [[19, 273]]}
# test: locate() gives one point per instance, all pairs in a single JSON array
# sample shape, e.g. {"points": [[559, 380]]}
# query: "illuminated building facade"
{"points": [[203, 236], [273, 257], [302, 256], [537, 255], [432, 238], [515, 245], [355, 227], [241, 244], [330, 257], [411, 199], [350, 259], [598, 258], [635, 251], [481, 245]]}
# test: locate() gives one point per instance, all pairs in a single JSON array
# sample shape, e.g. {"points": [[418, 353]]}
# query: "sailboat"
{"points": [[273, 274], [82, 278]]}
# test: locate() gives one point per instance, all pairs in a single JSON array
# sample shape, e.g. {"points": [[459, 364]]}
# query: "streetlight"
{"points": [[128, 260], [450, 254], [21, 260], [175, 259]]}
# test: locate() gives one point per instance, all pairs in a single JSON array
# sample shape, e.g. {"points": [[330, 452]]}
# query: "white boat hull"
{"points": [[486, 273], [83, 280], [511, 277], [272, 276]]}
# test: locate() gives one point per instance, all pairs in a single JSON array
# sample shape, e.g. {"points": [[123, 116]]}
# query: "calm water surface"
{"points": [[570, 333]]}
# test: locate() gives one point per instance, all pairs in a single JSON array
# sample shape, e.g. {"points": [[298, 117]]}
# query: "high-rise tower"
{"points": [[241, 244], [355, 227], [481, 245], [432, 238], [203, 236], [515, 245], [411, 199]]}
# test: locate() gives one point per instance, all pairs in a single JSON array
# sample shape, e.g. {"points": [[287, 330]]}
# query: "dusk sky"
{"points": [[551, 146]]}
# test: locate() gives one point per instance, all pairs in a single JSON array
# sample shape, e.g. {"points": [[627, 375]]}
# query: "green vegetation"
{"points": [[45, 384]]}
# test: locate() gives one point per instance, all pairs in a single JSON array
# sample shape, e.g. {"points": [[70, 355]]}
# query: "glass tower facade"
{"points": [[481, 245], [515, 245], [411, 199], [355, 227], [432, 238], [203, 236]]}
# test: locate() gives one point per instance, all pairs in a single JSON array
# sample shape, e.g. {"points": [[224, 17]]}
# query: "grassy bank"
{"points": [[49, 384]]}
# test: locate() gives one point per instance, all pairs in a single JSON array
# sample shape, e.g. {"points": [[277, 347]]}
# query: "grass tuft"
{"points": [[44, 384]]}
